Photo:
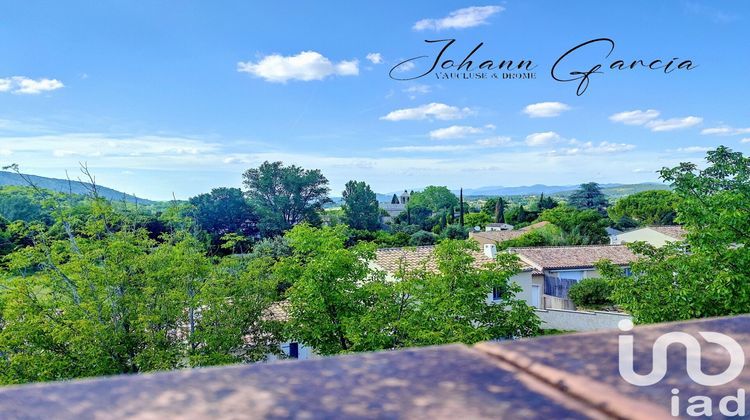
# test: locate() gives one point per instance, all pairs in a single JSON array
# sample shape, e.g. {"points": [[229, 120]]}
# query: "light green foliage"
{"points": [[647, 207], [339, 304], [434, 198], [579, 227], [707, 275], [477, 219], [93, 296]]}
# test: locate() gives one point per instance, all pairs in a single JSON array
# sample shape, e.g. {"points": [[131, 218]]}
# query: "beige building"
{"points": [[390, 260], [559, 267], [655, 235]]}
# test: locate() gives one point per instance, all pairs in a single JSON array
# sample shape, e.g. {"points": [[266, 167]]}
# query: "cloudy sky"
{"points": [[179, 97]]}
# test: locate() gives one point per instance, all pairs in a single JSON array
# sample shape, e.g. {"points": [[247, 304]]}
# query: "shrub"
{"points": [[455, 232], [591, 293], [422, 238]]}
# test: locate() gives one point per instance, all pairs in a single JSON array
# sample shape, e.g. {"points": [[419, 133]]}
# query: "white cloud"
{"points": [[415, 90], [545, 109], [591, 148], [725, 131], [494, 141], [693, 149], [25, 86], [673, 123], [457, 131], [459, 19], [434, 110], [404, 67], [745, 140], [636, 117], [375, 58], [487, 143], [305, 66], [542, 139]]}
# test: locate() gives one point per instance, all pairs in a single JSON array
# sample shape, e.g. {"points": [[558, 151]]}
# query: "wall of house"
{"points": [[524, 280], [561, 319], [646, 235]]}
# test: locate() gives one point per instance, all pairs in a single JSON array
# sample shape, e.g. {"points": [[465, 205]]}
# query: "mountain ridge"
{"points": [[64, 186]]}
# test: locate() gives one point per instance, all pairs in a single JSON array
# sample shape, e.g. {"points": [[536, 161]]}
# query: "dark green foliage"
{"points": [[580, 227], [647, 207], [455, 232], [224, 211], [589, 197], [591, 293], [360, 206], [285, 195], [422, 238]]}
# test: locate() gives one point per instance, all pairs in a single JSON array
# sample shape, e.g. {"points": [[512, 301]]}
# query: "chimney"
{"points": [[490, 250]]}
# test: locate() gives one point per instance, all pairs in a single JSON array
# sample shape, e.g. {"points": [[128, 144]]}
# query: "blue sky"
{"points": [[180, 97]]}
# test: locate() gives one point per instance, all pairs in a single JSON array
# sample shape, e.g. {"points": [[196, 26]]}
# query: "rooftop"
{"points": [[391, 259], [676, 232], [491, 237], [570, 257], [568, 376]]}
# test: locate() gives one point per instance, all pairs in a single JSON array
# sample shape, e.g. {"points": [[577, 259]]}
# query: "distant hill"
{"points": [[62, 185], [613, 190]]}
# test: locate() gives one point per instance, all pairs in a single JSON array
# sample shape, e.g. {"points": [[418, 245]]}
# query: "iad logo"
{"points": [[701, 405]]}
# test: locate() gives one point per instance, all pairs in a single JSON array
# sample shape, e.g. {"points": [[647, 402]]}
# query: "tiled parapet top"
{"points": [[568, 376]]}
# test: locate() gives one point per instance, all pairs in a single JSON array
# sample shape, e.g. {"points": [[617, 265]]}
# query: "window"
{"points": [[627, 272], [497, 293], [294, 350]]}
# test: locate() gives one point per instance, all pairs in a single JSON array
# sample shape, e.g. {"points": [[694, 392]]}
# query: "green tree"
{"points": [[327, 298], [434, 198], [285, 195], [579, 227], [224, 211], [589, 196], [360, 207], [477, 219], [670, 283], [466, 316], [646, 207], [394, 199], [103, 298], [422, 238]]}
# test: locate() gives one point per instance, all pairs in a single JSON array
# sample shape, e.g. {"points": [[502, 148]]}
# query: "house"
{"points": [[655, 235], [390, 260], [492, 227], [499, 236], [394, 209], [559, 267]]}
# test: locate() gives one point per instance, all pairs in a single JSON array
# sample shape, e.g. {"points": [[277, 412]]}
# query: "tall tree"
{"points": [[500, 210], [360, 207], [285, 195], [461, 211], [671, 284], [589, 196]]}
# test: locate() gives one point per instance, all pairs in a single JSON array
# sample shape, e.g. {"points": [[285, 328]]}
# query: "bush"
{"points": [[455, 232], [591, 293], [422, 238]]}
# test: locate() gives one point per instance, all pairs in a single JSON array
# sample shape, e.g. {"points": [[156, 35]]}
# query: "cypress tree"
{"points": [[461, 211]]}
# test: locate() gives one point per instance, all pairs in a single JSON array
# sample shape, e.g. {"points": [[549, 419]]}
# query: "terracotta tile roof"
{"points": [[492, 237], [676, 232], [564, 257], [390, 259]]}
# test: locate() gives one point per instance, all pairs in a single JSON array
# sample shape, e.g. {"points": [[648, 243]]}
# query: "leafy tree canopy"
{"points": [[647, 207], [360, 207], [589, 196]]}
